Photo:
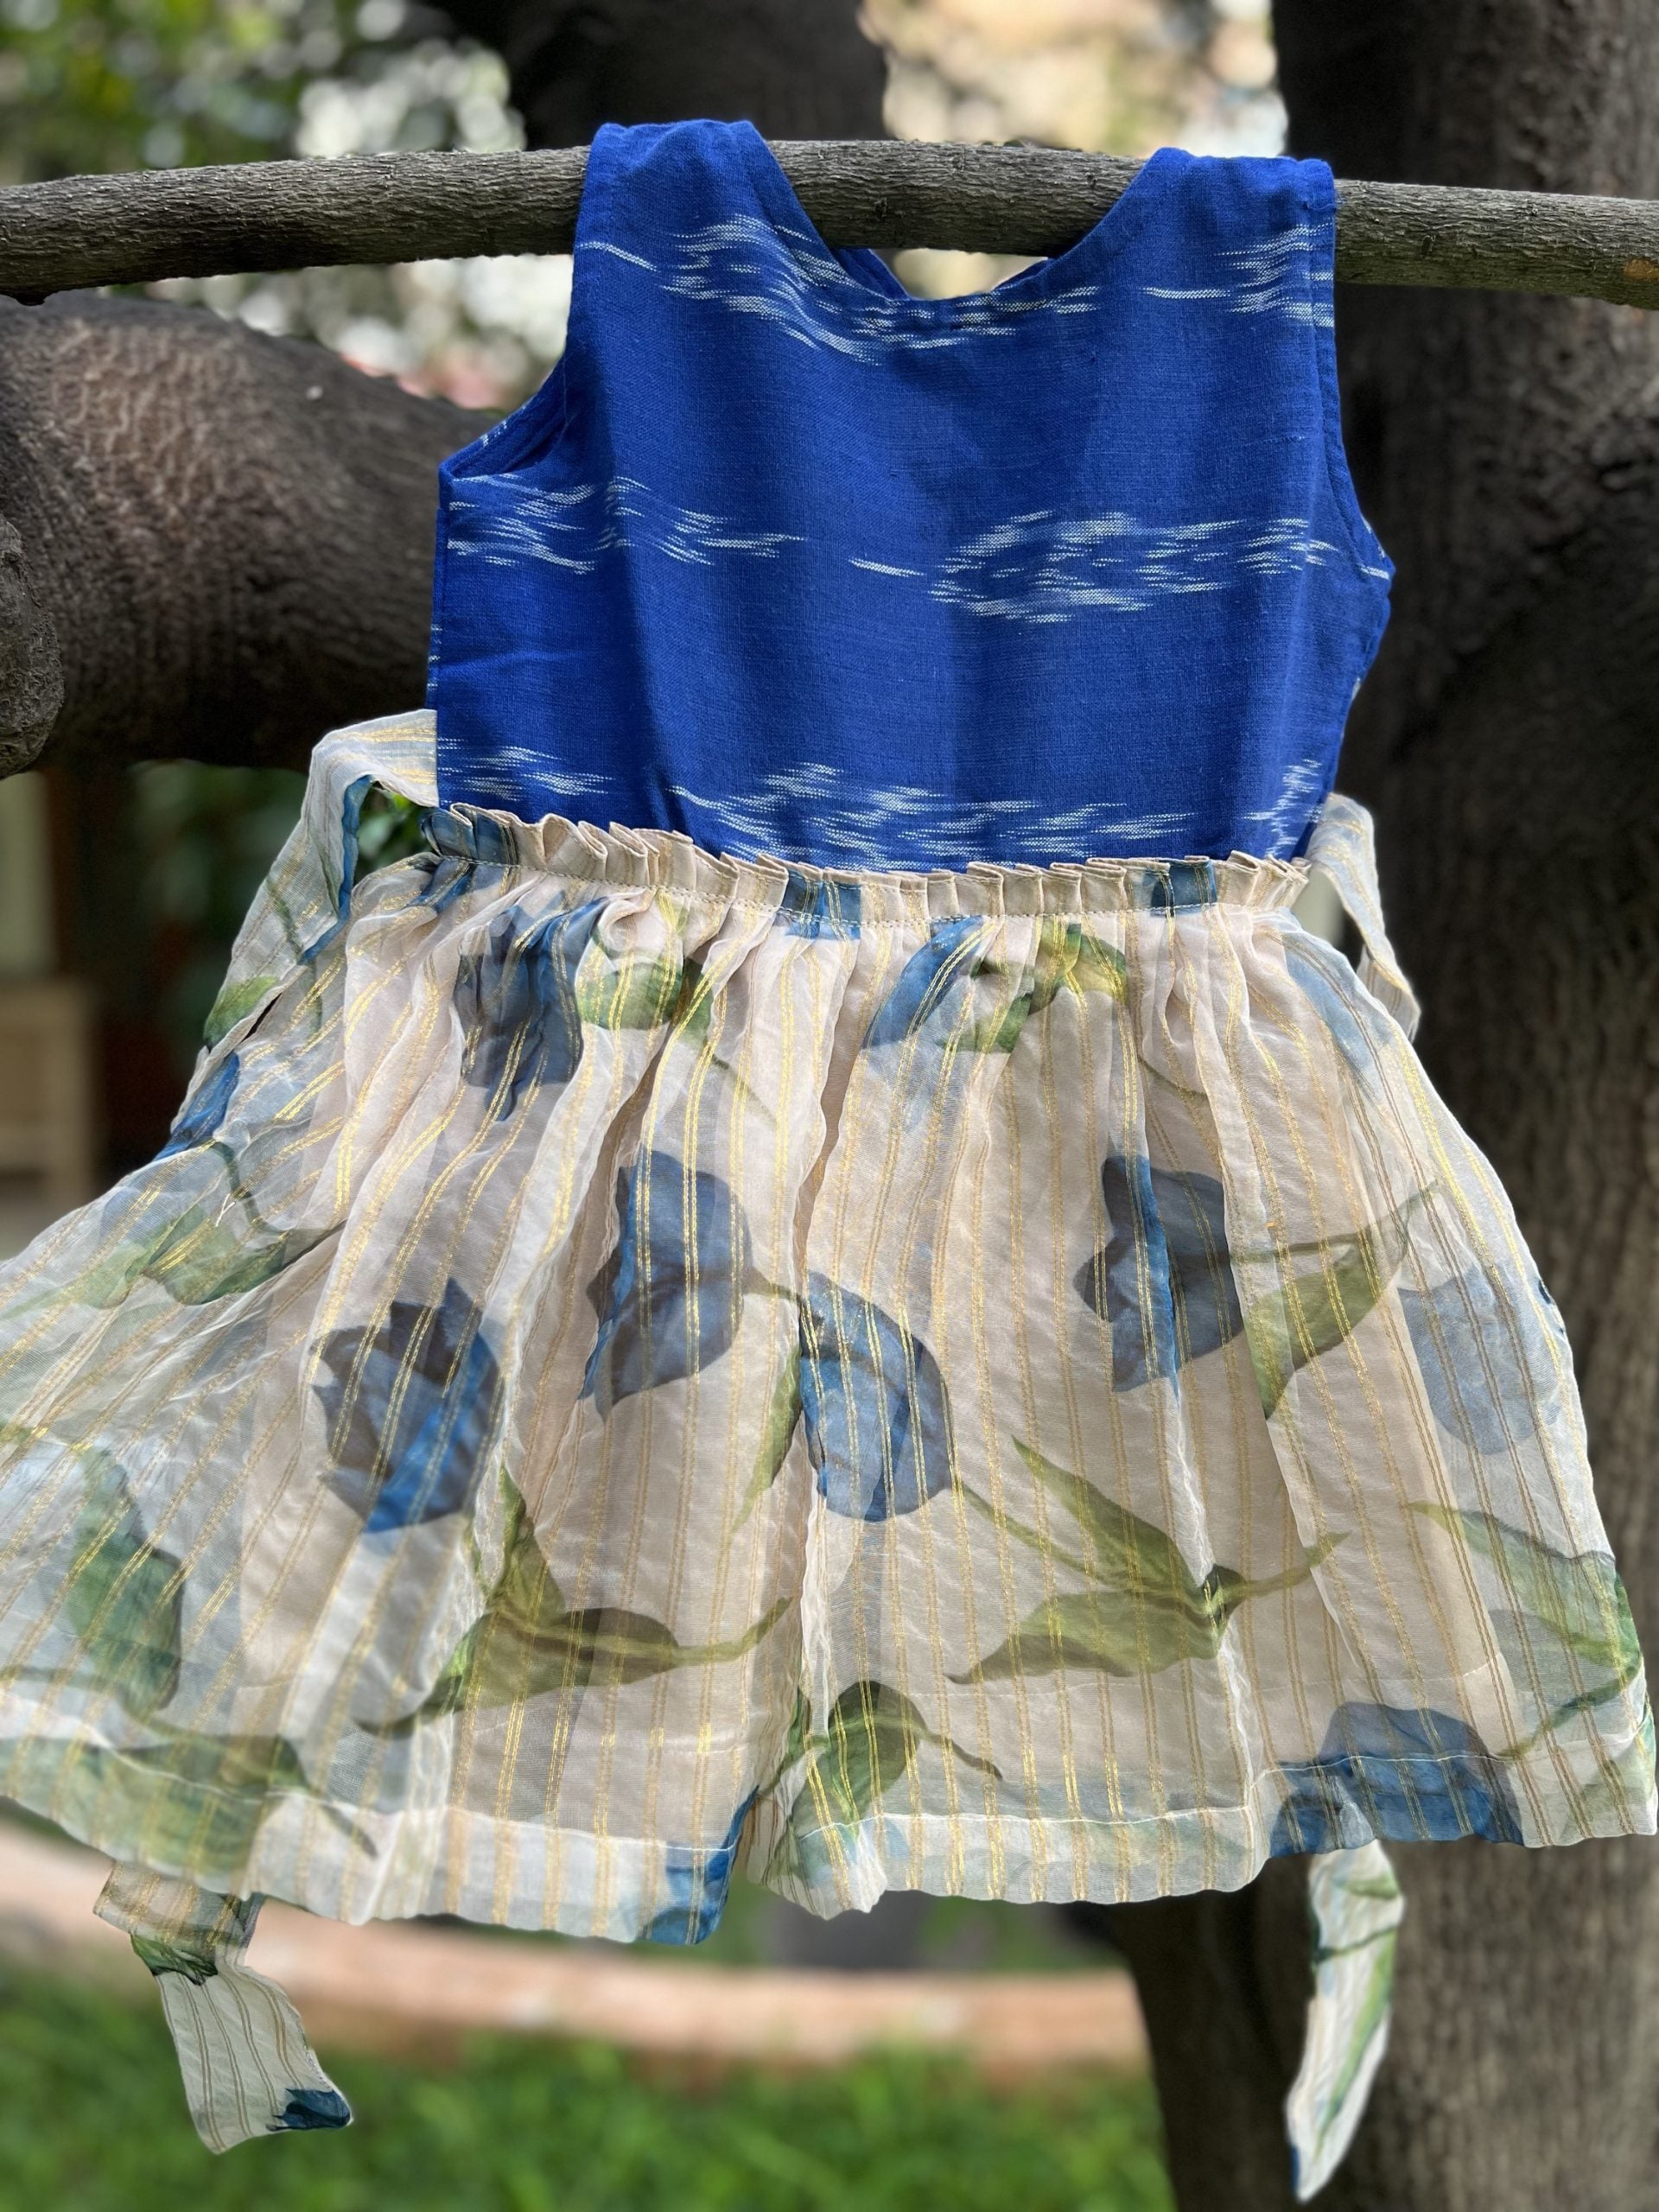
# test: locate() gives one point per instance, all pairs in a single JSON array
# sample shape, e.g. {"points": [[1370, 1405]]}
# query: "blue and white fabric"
{"points": [[793, 563]]}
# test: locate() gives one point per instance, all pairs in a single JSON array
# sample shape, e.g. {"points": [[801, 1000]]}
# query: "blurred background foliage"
{"points": [[88, 85], [92, 2121]]}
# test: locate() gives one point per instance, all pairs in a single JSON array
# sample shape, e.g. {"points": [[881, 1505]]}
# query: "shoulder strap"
{"points": [[1254, 235], [653, 181]]}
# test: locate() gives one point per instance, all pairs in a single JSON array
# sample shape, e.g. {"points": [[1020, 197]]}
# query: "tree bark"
{"points": [[214, 545], [1508, 452], [138, 228], [31, 675]]}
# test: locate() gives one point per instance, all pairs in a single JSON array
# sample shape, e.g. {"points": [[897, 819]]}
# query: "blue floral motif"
{"points": [[464, 855], [1394, 1773], [308, 2108], [933, 975], [412, 1408], [1176, 886], [203, 1112], [1359, 1035], [1485, 1366], [873, 1407], [467, 836], [493, 845], [517, 1002], [697, 1885], [1162, 1282], [446, 879], [671, 1296], [352, 801], [820, 905]]}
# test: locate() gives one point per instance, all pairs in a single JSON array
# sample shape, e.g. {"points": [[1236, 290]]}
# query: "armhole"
{"points": [[1321, 205], [440, 581], [536, 427], [533, 429]]}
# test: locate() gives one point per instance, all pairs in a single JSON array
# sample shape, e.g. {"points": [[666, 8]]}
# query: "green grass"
{"points": [[92, 2120], [970, 1935]]}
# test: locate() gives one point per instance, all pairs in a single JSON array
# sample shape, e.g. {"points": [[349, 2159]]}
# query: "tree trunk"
{"points": [[1507, 450], [799, 68]]}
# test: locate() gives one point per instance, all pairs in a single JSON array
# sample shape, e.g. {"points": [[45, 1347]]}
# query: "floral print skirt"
{"points": [[633, 1364]]}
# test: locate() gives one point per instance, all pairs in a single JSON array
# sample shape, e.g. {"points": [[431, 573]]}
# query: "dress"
{"points": [[640, 1361]]}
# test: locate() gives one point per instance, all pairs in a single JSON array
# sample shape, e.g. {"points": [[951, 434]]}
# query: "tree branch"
{"points": [[213, 545], [82, 231]]}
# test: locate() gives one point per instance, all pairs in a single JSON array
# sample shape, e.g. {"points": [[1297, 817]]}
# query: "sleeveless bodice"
{"points": [[787, 560]]}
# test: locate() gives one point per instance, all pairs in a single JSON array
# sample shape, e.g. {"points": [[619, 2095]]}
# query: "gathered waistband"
{"points": [[308, 893], [847, 900]]}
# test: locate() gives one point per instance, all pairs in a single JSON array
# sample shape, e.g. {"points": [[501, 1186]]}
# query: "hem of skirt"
{"points": [[494, 1871]]}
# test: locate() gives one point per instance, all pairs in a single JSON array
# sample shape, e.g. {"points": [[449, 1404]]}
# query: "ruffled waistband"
{"points": [[851, 900], [308, 892]]}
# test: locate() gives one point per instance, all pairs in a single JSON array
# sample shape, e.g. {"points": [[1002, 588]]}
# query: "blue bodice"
{"points": [[788, 559]]}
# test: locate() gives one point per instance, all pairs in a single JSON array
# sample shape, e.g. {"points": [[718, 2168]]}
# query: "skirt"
{"points": [[634, 1364]]}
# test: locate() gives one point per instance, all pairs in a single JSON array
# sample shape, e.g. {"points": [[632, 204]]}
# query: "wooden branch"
{"points": [[134, 229]]}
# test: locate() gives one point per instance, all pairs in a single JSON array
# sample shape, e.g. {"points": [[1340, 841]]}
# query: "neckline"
{"points": [[1054, 274]]}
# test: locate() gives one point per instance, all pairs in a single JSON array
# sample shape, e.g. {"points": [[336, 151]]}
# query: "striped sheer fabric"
{"points": [[1008, 1383], [246, 2067]]}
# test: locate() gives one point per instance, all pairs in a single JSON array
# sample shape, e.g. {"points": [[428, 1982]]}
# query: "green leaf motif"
{"points": [[236, 1001], [1578, 1597], [124, 1596], [527, 1642], [632, 993], [196, 1257], [189, 1801], [1614, 1797], [1144, 1610], [1368, 2016], [798, 1739], [868, 1747], [1095, 966], [1315, 1311], [1355, 1903], [1068, 959], [783, 1418], [694, 1010], [195, 1962]]}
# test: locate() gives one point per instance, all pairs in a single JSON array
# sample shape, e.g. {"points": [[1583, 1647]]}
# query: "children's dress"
{"points": [[891, 1317]]}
